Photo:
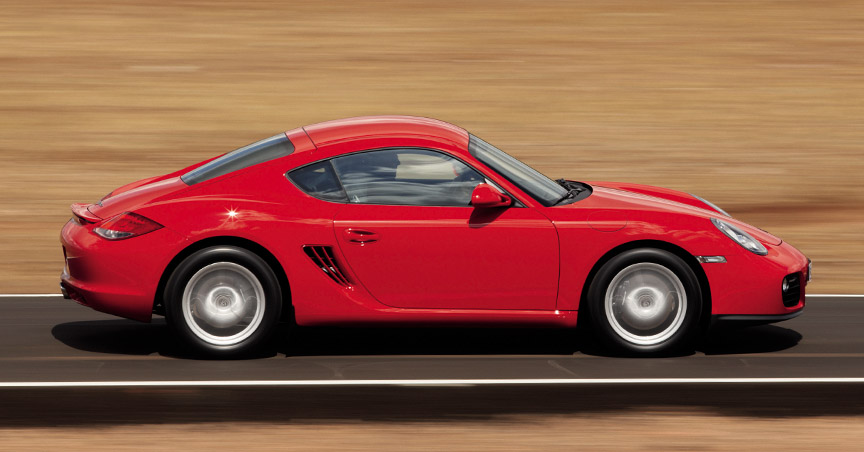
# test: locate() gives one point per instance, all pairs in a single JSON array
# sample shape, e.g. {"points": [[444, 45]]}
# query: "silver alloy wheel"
{"points": [[646, 303], [223, 303]]}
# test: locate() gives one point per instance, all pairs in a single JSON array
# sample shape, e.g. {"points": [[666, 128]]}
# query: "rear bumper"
{"points": [[116, 277]]}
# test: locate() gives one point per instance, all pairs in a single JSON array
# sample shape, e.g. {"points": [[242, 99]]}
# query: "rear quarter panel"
{"points": [[264, 207]]}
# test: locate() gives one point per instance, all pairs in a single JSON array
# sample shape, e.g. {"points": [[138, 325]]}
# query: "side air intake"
{"points": [[323, 257]]}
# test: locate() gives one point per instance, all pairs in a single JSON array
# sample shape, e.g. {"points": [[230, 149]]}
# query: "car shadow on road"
{"points": [[746, 340], [121, 337], [126, 337]]}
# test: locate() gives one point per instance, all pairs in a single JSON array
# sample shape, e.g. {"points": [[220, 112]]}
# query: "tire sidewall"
{"points": [[682, 340], [181, 275]]}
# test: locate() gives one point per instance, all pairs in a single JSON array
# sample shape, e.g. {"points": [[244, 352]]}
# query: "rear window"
{"points": [[252, 154]]}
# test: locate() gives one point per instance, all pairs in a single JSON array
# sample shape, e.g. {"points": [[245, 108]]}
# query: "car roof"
{"points": [[365, 127]]}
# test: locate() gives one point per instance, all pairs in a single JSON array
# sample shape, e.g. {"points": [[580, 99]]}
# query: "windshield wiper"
{"points": [[570, 194], [572, 190]]}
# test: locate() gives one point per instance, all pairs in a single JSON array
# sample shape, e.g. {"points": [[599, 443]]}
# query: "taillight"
{"points": [[126, 225]]}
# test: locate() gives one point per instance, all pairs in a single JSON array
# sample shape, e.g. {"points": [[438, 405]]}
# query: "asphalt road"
{"points": [[50, 339]]}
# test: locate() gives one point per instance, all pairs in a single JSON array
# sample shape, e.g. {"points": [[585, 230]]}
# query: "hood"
{"points": [[658, 192], [664, 199]]}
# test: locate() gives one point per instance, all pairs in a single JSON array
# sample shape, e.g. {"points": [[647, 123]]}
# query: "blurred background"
{"points": [[757, 106]]}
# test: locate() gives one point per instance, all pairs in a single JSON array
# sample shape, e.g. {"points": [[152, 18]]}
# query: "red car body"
{"points": [[398, 264]]}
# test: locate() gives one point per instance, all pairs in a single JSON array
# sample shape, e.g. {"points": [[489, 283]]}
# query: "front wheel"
{"points": [[645, 301], [223, 301]]}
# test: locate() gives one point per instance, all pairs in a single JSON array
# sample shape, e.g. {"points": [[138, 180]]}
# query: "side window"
{"points": [[320, 181], [410, 177]]}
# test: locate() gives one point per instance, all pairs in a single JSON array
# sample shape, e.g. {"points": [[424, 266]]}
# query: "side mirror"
{"points": [[486, 196]]}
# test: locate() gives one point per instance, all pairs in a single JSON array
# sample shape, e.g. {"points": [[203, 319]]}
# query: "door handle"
{"points": [[360, 236]]}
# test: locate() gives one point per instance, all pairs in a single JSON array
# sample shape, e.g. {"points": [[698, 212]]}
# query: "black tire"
{"points": [[637, 304], [223, 315]]}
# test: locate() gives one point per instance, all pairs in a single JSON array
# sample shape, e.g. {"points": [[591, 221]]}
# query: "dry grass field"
{"points": [[755, 105], [637, 431]]}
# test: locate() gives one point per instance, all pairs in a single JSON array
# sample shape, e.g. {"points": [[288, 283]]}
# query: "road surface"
{"points": [[48, 339]]}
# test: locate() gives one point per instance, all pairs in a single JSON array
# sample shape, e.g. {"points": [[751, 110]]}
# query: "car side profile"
{"points": [[395, 220]]}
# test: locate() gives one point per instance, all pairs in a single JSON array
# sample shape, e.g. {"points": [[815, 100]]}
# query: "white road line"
{"points": [[835, 295], [422, 382], [45, 295]]}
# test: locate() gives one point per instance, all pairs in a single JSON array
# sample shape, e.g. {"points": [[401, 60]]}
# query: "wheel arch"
{"points": [[688, 258], [258, 249]]}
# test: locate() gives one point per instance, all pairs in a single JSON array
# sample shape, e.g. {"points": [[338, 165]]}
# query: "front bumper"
{"points": [[753, 320], [751, 285]]}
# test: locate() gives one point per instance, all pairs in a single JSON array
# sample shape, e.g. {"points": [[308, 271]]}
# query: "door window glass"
{"points": [[410, 177]]}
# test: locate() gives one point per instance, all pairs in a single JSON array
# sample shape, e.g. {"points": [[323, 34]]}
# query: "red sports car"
{"points": [[398, 220]]}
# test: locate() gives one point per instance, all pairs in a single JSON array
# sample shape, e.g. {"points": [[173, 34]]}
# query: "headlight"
{"points": [[711, 205], [740, 237]]}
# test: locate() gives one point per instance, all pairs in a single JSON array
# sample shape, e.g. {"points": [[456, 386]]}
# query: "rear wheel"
{"points": [[223, 301], [645, 301]]}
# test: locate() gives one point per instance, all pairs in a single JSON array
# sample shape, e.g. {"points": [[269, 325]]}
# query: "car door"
{"points": [[412, 238]]}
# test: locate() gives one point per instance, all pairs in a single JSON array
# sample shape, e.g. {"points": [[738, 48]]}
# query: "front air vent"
{"points": [[323, 257], [791, 289]]}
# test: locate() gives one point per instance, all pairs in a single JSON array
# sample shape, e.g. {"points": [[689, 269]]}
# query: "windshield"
{"points": [[529, 180]]}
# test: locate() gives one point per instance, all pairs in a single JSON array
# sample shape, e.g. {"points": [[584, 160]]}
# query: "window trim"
{"points": [[193, 176], [516, 202]]}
